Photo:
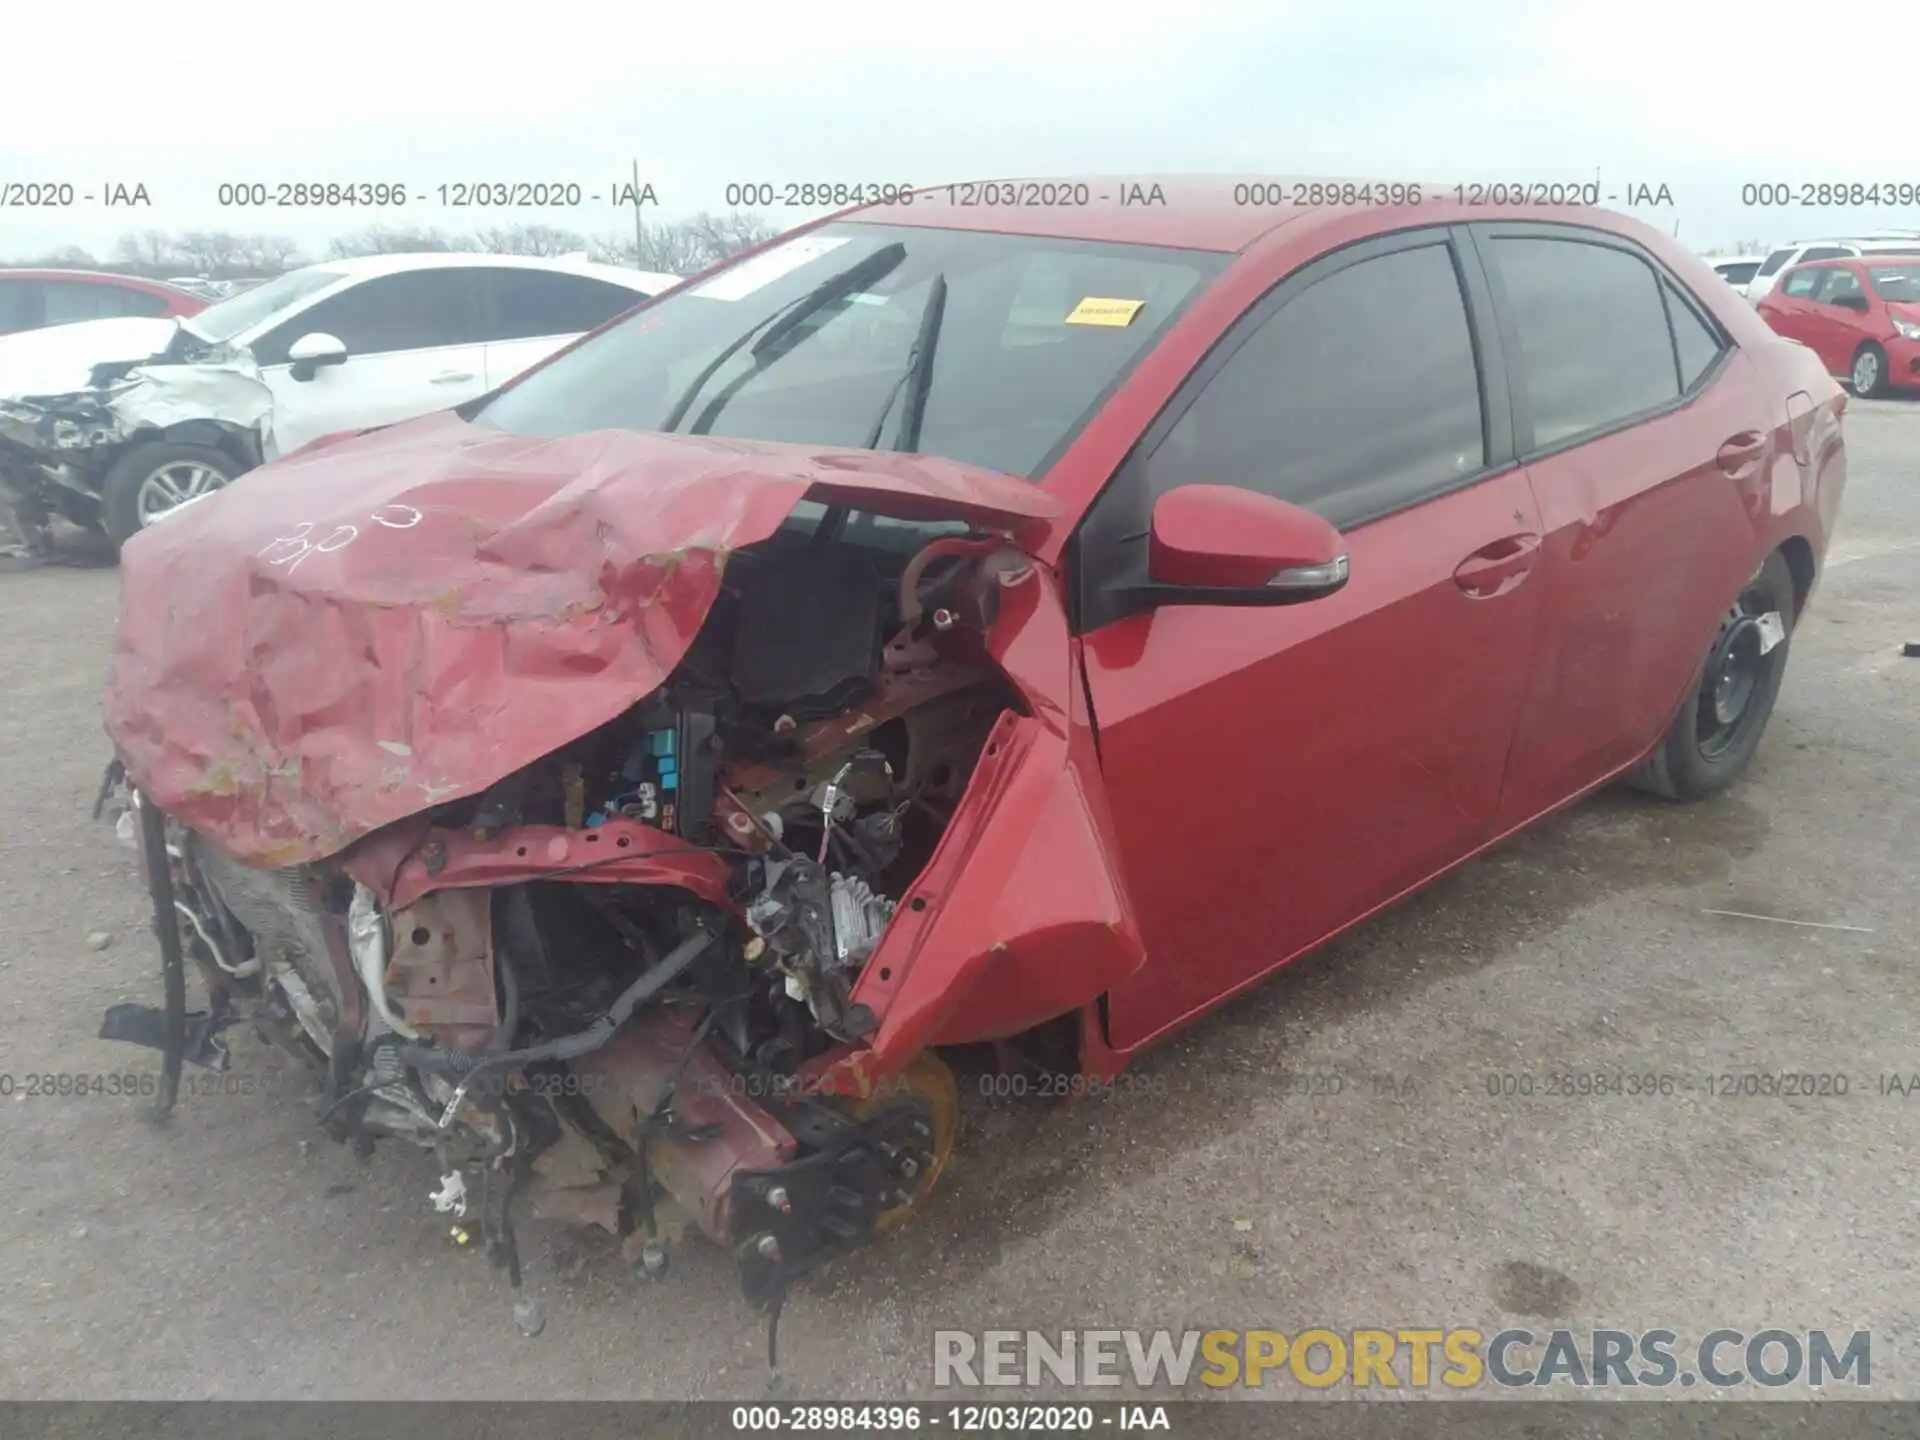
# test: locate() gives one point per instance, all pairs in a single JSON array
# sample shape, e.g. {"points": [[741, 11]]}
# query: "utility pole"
{"points": [[639, 231]]}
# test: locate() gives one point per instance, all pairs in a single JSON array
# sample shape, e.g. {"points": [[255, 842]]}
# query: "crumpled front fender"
{"points": [[1022, 914]]}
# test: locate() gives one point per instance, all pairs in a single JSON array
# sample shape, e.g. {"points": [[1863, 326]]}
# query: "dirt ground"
{"points": [[238, 1253]]}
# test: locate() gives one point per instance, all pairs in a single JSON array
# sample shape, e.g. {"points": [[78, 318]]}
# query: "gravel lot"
{"points": [[238, 1253]]}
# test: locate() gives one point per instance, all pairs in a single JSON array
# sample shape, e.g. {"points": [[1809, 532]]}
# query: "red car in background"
{"points": [[31, 299], [1861, 316], [952, 624]]}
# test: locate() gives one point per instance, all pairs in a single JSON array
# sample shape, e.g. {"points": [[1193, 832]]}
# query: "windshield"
{"points": [[1896, 282], [1775, 261], [995, 349], [247, 309]]}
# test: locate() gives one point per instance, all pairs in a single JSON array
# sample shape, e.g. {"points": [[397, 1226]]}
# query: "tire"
{"points": [[134, 490], [1871, 360], [1704, 751]]}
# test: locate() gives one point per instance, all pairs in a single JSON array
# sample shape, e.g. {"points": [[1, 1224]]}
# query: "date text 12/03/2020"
{"points": [[903, 1419], [1719, 1085], [451, 195], [1311, 194], [970, 194]]}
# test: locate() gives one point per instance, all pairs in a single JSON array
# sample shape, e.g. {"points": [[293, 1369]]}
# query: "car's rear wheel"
{"points": [[1713, 738], [154, 478], [1869, 374]]}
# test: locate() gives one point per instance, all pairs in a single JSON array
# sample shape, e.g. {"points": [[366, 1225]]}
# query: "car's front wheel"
{"points": [[151, 479], [1713, 738], [1869, 374]]}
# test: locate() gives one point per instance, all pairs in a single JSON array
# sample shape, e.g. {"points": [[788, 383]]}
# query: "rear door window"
{"points": [[69, 300], [1591, 330], [1828, 252], [1841, 285], [530, 303]]}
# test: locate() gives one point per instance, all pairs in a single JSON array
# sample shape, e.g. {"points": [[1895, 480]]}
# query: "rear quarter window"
{"points": [[1591, 326], [19, 305], [1697, 346]]}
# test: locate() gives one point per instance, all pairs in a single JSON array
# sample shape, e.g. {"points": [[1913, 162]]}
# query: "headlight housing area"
{"points": [[1908, 328], [370, 942]]}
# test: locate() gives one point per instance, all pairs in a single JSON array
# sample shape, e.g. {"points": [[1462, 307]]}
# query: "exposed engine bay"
{"points": [[600, 984]]}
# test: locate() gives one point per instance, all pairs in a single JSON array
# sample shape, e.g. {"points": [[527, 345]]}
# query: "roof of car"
{"points": [[1192, 212], [1718, 260], [1872, 237], [1877, 257], [94, 277], [365, 267], [1223, 213]]}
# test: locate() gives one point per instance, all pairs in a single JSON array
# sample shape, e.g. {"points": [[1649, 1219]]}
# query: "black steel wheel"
{"points": [[1713, 738]]}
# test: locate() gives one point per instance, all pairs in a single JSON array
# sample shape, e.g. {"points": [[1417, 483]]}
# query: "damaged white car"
{"points": [[110, 424]]}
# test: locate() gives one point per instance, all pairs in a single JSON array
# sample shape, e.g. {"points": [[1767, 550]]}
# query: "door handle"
{"points": [[1739, 454], [1495, 569], [450, 377], [1800, 427]]}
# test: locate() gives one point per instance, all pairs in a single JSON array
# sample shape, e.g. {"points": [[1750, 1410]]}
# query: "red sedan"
{"points": [[1019, 615], [1860, 316], [30, 299]]}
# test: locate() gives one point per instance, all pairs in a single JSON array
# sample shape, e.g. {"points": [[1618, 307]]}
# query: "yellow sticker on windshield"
{"points": [[1096, 311]]}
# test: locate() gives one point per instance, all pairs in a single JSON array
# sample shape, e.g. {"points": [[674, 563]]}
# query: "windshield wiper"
{"points": [[918, 376], [782, 321]]}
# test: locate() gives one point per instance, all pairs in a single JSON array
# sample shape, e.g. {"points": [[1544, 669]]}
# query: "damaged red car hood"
{"points": [[381, 623]]}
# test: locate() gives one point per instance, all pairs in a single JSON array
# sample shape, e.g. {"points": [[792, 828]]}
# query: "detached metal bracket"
{"points": [[173, 964]]}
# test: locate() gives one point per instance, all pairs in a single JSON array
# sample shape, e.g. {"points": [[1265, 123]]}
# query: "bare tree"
{"points": [[684, 247], [663, 247], [213, 253], [67, 257], [722, 236], [678, 247], [271, 254], [530, 240], [395, 240], [148, 252]]}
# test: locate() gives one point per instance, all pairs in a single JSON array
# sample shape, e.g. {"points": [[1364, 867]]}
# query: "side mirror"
{"points": [[1853, 302], [1219, 545], [310, 352]]}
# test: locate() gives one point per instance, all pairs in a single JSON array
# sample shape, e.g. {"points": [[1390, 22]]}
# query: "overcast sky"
{"points": [[1702, 99]]}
